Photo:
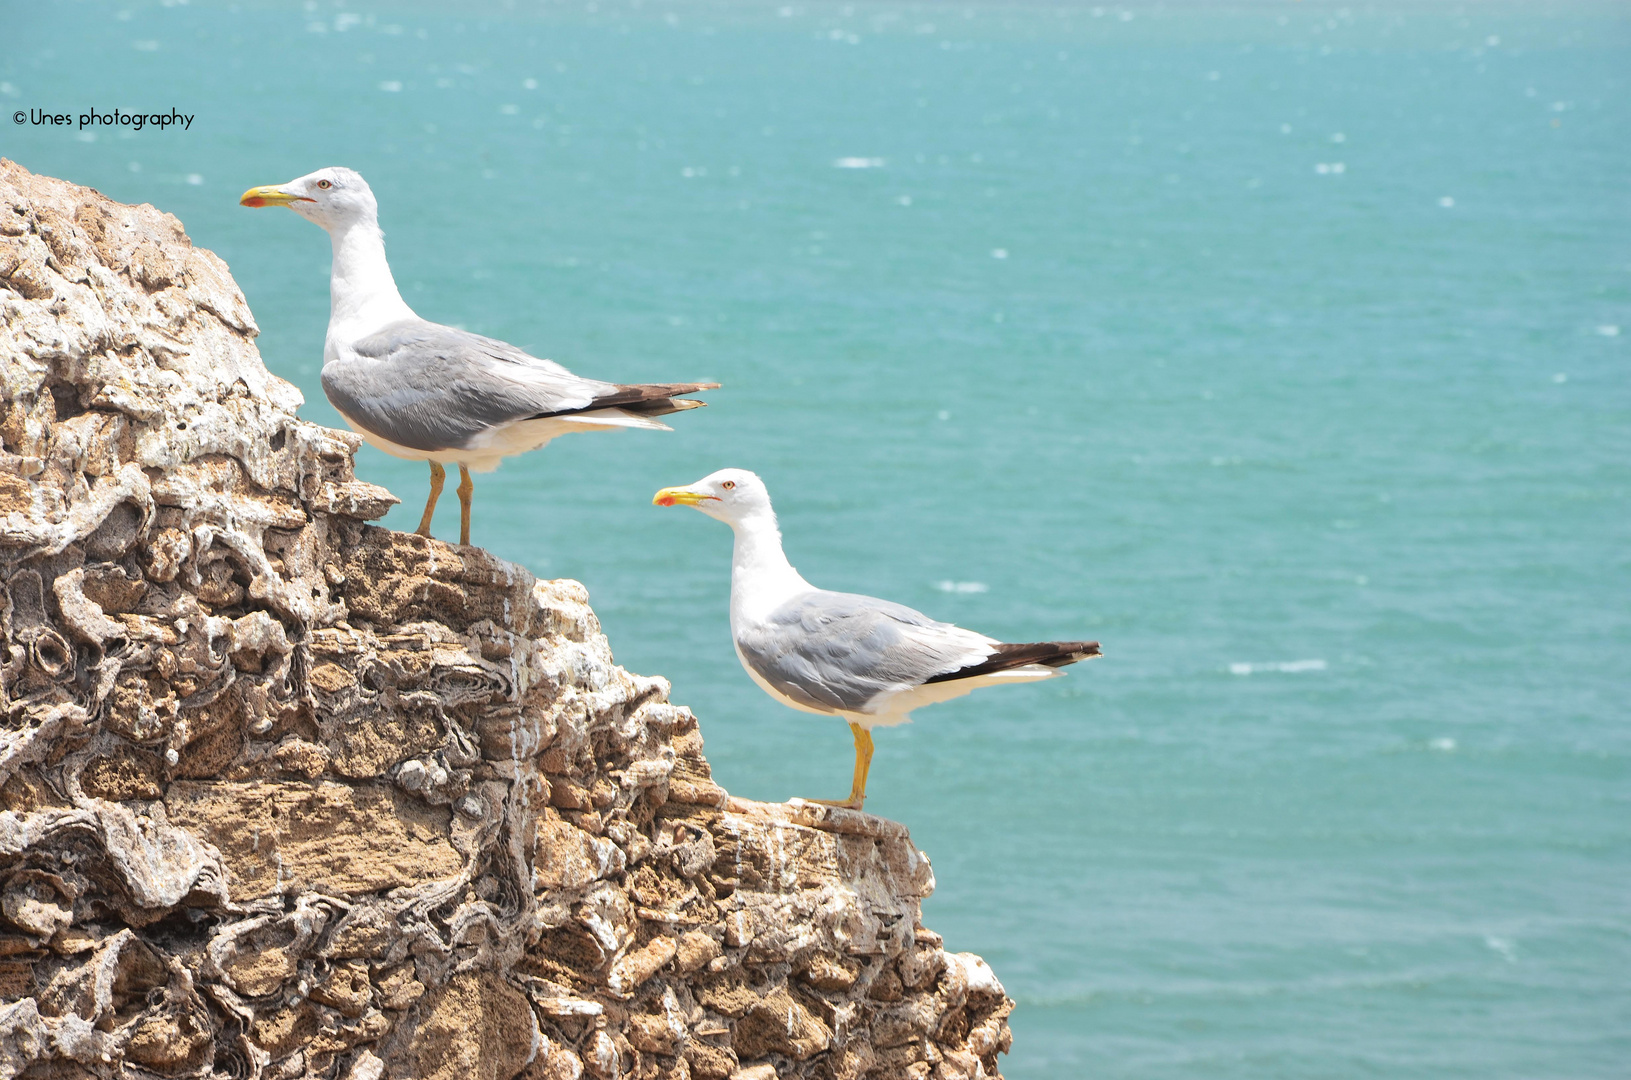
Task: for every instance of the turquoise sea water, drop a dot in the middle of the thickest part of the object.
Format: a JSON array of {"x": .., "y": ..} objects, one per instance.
[{"x": 1280, "y": 346}]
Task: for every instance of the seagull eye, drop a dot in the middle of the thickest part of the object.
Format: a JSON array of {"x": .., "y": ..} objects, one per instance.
[
  {"x": 727, "y": 485},
  {"x": 324, "y": 184}
]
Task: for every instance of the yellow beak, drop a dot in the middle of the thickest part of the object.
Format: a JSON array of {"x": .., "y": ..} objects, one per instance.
[
  {"x": 681, "y": 496},
  {"x": 270, "y": 195}
]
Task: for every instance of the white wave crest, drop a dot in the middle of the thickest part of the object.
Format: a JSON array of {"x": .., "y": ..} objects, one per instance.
[{"x": 1288, "y": 666}]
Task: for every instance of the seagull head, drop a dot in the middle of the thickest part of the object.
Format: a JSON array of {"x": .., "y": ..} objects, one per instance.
[
  {"x": 731, "y": 495},
  {"x": 334, "y": 198}
]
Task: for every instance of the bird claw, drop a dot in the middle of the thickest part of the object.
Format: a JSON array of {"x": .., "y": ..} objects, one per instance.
[{"x": 851, "y": 803}]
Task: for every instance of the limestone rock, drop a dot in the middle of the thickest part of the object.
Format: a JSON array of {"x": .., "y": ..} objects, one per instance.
[{"x": 285, "y": 794}]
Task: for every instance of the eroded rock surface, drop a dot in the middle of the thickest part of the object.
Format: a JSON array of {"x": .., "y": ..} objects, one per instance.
[{"x": 286, "y": 794}]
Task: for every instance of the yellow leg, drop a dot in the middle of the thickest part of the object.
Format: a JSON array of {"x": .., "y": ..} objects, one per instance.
[
  {"x": 465, "y": 489},
  {"x": 863, "y": 762},
  {"x": 437, "y": 476}
]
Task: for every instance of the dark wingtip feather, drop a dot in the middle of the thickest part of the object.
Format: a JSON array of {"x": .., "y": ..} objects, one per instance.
[
  {"x": 645, "y": 399},
  {"x": 1007, "y": 656},
  {"x": 1078, "y": 650}
]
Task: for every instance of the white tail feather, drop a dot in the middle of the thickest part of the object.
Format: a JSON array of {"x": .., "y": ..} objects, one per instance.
[{"x": 613, "y": 418}]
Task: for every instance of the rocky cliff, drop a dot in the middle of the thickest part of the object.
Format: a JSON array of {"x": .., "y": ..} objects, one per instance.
[{"x": 286, "y": 794}]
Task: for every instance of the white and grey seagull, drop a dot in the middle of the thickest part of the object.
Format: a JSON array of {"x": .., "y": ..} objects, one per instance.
[
  {"x": 866, "y": 660},
  {"x": 428, "y": 392}
]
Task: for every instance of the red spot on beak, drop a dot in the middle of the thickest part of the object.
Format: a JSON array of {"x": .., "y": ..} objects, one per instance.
[
  {"x": 257, "y": 201},
  {"x": 666, "y": 500}
]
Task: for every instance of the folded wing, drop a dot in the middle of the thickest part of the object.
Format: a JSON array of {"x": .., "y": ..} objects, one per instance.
[
  {"x": 432, "y": 387},
  {"x": 838, "y": 652}
]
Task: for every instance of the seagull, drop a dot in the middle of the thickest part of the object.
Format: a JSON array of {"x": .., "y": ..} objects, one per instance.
[
  {"x": 869, "y": 661},
  {"x": 428, "y": 392}
]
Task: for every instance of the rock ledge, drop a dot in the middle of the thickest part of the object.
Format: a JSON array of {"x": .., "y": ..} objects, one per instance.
[{"x": 285, "y": 794}]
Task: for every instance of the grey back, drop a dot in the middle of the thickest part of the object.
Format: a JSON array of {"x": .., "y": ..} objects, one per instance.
[
  {"x": 837, "y": 651},
  {"x": 433, "y": 387}
]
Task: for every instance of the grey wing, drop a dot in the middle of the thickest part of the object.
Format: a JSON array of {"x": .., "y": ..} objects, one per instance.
[
  {"x": 433, "y": 387},
  {"x": 839, "y": 651}
]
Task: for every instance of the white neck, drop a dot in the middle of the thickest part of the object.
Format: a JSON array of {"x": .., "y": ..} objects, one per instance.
[
  {"x": 761, "y": 577},
  {"x": 362, "y": 293}
]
